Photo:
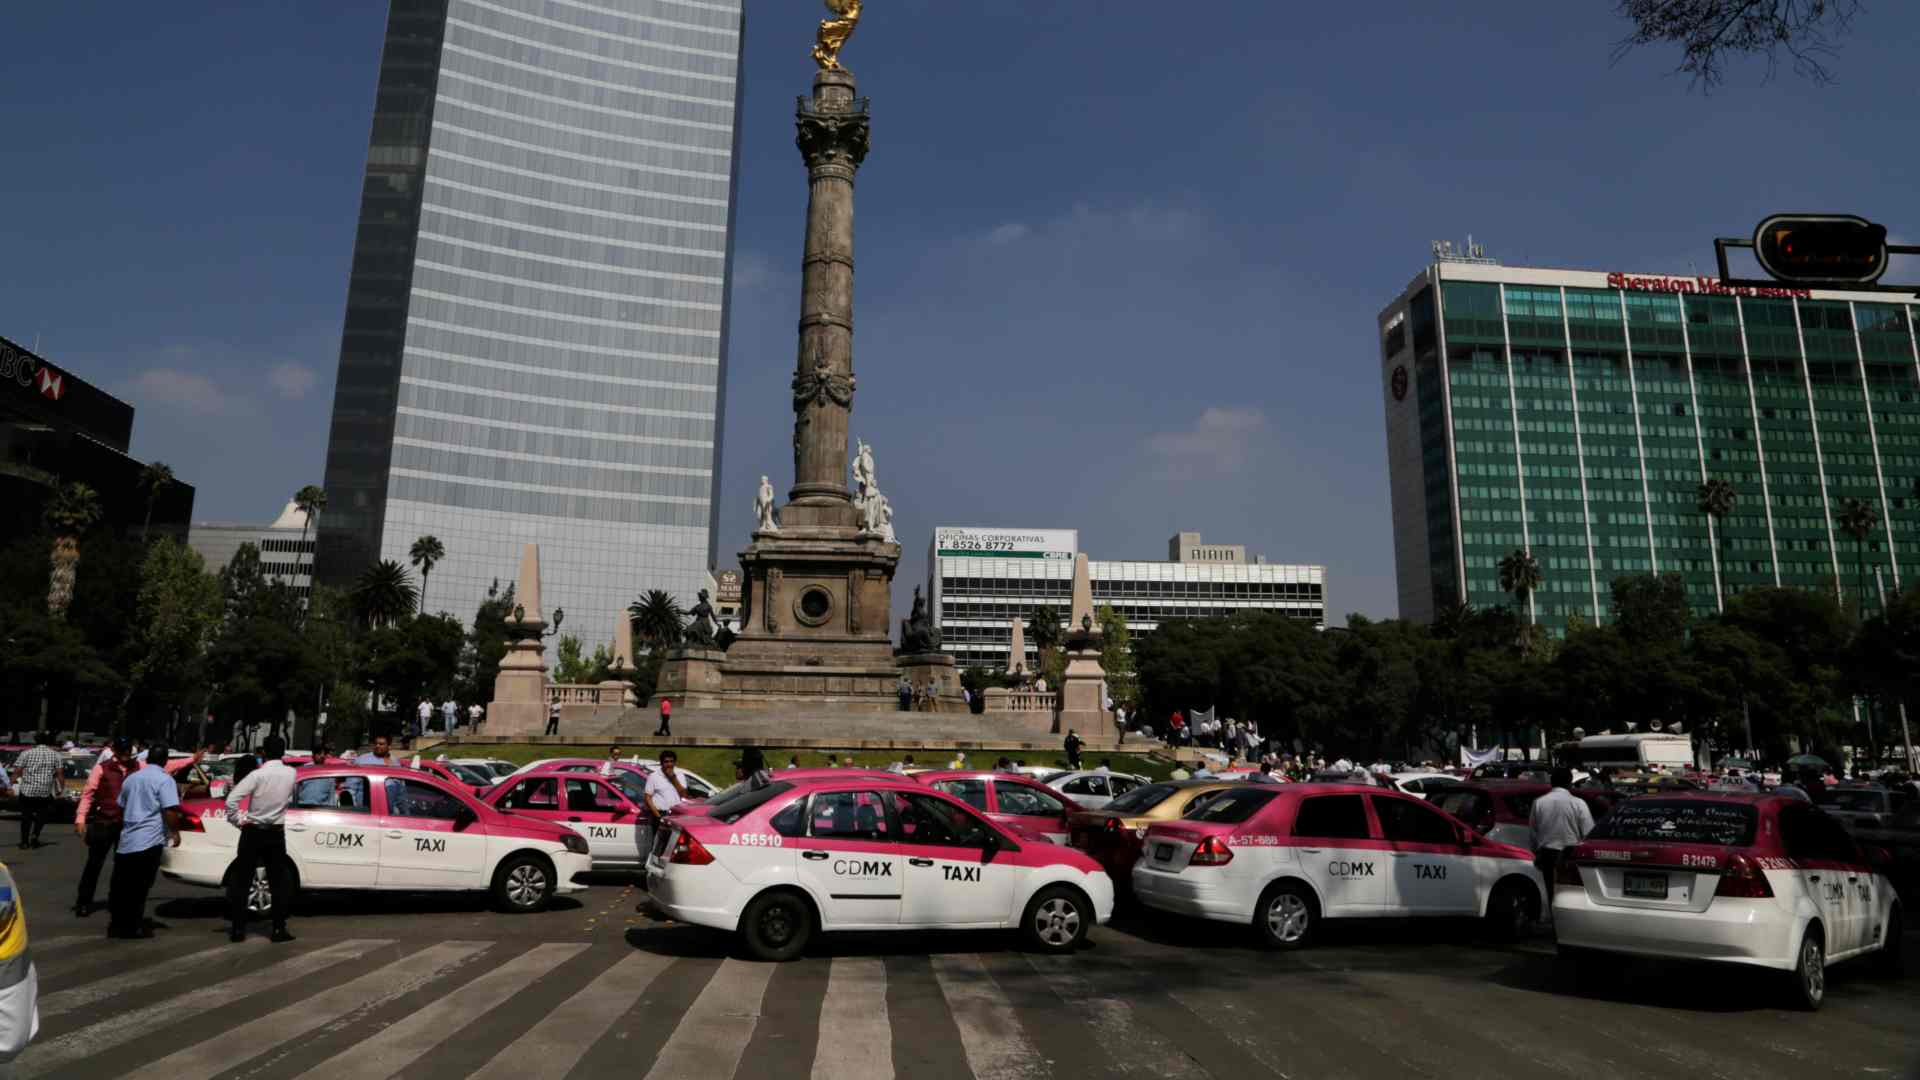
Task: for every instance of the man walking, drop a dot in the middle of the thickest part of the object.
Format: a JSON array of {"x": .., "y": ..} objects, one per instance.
[
  {"x": 38, "y": 771},
  {"x": 267, "y": 789},
  {"x": 1559, "y": 820},
  {"x": 423, "y": 713},
  {"x": 666, "y": 718},
  {"x": 449, "y": 715},
  {"x": 98, "y": 818},
  {"x": 553, "y": 718},
  {"x": 474, "y": 713},
  {"x": 1073, "y": 749},
  {"x": 150, "y": 817}
]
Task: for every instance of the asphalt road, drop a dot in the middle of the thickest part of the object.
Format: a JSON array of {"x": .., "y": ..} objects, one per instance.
[{"x": 382, "y": 985}]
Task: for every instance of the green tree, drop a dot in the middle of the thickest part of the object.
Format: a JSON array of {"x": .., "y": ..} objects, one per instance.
[
  {"x": 384, "y": 594},
  {"x": 426, "y": 551},
  {"x": 409, "y": 659},
  {"x": 1858, "y": 519},
  {"x": 1797, "y": 687},
  {"x": 73, "y": 510},
  {"x": 1116, "y": 658},
  {"x": 1044, "y": 633},
  {"x": 658, "y": 621},
  {"x": 261, "y": 663},
  {"x": 1520, "y": 575},
  {"x": 486, "y": 645},
  {"x": 310, "y": 501},
  {"x": 1716, "y": 499},
  {"x": 154, "y": 479},
  {"x": 47, "y": 657},
  {"x": 570, "y": 666},
  {"x": 179, "y": 609},
  {"x": 1378, "y": 679}
]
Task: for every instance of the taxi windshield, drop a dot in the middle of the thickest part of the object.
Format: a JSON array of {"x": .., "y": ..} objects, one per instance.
[
  {"x": 1142, "y": 799},
  {"x": 1862, "y": 800},
  {"x": 741, "y": 803},
  {"x": 1679, "y": 821}
]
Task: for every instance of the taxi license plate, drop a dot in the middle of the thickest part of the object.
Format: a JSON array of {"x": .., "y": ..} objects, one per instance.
[
  {"x": 1645, "y": 886},
  {"x": 1163, "y": 852}
]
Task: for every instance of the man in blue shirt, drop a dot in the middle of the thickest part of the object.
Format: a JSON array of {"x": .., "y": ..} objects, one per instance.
[
  {"x": 150, "y": 818},
  {"x": 382, "y": 753}
]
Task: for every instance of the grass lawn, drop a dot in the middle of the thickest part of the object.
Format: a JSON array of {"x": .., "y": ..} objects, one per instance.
[{"x": 716, "y": 763}]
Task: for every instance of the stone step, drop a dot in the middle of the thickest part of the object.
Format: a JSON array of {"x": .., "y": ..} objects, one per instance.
[{"x": 811, "y": 729}]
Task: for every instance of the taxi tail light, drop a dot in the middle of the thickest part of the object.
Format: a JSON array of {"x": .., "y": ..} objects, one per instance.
[
  {"x": 1113, "y": 824},
  {"x": 690, "y": 852},
  {"x": 1566, "y": 875},
  {"x": 1743, "y": 879},
  {"x": 1211, "y": 852},
  {"x": 190, "y": 822}
]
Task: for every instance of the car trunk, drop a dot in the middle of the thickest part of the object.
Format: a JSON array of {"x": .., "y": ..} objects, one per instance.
[
  {"x": 1665, "y": 877},
  {"x": 1170, "y": 847}
]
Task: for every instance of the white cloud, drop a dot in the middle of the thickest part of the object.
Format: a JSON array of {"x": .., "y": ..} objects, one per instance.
[
  {"x": 1220, "y": 438},
  {"x": 1011, "y": 232},
  {"x": 292, "y": 380},
  {"x": 183, "y": 390}
]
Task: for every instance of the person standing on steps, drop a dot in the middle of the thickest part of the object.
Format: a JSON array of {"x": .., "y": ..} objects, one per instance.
[
  {"x": 553, "y": 718},
  {"x": 98, "y": 818},
  {"x": 267, "y": 789},
  {"x": 666, "y": 719}
]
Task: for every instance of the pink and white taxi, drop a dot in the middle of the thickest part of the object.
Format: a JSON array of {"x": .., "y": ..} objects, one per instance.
[
  {"x": 605, "y": 811},
  {"x": 778, "y": 863},
  {"x": 1757, "y": 880},
  {"x": 1284, "y": 857},
  {"x": 377, "y": 827}
]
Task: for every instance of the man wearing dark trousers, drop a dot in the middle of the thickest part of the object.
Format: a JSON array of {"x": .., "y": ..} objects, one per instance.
[
  {"x": 39, "y": 783},
  {"x": 267, "y": 792},
  {"x": 150, "y": 819},
  {"x": 553, "y": 718},
  {"x": 98, "y": 819},
  {"x": 666, "y": 718}
]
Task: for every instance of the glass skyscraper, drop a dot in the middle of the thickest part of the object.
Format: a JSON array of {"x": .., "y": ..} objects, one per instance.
[
  {"x": 1577, "y": 413},
  {"x": 535, "y": 345}
]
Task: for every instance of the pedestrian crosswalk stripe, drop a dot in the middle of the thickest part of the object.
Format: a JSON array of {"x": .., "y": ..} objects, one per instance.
[
  {"x": 124, "y": 1027},
  {"x": 391, "y": 1051},
  {"x": 556, "y": 1044},
  {"x": 715, "y": 1030},
  {"x": 236, "y": 1046},
  {"x": 854, "y": 1012},
  {"x": 997, "y": 1048},
  {"x": 41, "y": 946},
  {"x": 121, "y": 982},
  {"x": 1129, "y": 1042}
]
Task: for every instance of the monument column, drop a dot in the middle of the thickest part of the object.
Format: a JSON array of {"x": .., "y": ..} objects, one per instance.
[{"x": 833, "y": 137}]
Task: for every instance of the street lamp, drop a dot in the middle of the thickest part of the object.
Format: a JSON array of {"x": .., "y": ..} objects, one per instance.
[{"x": 559, "y": 616}]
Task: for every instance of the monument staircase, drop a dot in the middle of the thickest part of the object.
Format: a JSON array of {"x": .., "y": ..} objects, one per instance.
[{"x": 803, "y": 729}]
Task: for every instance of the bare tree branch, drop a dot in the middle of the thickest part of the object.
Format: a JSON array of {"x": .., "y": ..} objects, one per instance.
[{"x": 1710, "y": 32}]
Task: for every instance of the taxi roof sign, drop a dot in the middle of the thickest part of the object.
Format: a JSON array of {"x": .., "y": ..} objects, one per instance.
[{"x": 1821, "y": 249}]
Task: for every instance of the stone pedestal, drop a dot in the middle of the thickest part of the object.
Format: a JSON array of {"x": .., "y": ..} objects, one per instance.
[
  {"x": 687, "y": 675},
  {"x": 1080, "y": 704},
  {"x": 939, "y": 673},
  {"x": 519, "y": 705}
]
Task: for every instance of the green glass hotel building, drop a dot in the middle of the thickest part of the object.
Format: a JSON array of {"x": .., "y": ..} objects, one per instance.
[{"x": 1576, "y": 414}]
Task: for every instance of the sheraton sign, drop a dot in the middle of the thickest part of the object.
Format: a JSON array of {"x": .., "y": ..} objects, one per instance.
[{"x": 1704, "y": 285}]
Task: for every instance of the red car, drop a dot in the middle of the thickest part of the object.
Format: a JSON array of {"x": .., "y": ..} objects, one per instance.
[
  {"x": 603, "y": 812},
  {"x": 461, "y": 775},
  {"x": 1009, "y": 799}
]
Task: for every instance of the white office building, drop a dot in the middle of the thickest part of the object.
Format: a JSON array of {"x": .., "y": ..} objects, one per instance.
[
  {"x": 981, "y": 579},
  {"x": 285, "y": 554}
]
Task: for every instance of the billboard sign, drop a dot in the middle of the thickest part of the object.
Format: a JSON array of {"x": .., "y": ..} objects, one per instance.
[{"x": 961, "y": 542}]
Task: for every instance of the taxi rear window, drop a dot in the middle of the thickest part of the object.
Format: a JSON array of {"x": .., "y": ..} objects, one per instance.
[
  {"x": 1232, "y": 807},
  {"x": 1142, "y": 799},
  {"x": 1679, "y": 821},
  {"x": 741, "y": 803}
]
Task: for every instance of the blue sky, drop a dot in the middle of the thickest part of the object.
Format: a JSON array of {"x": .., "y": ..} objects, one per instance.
[{"x": 1119, "y": 263}]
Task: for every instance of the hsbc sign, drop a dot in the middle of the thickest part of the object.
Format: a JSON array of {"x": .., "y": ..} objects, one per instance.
[{"x": 21, "y": 369}]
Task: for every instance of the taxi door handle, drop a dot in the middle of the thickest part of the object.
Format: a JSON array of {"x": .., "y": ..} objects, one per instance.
[
  {"x": 919, "y": 862},
  {"x": 573, "y": 819},
  {"x": 296, "y": 828},
  {"x": 393, "y": 834},
  {"x": 1399, "y": 854},
  {"x": 1312, "y": 850},
  {"x": 815, "y": 855},
  {"x": 1813, "y": 877}
]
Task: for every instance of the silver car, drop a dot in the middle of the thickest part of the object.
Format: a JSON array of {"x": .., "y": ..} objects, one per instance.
[{"x": 1094, "y": 789}]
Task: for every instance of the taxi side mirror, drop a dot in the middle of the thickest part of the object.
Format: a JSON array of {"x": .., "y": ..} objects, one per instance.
[{"x": 464, "y": 817}]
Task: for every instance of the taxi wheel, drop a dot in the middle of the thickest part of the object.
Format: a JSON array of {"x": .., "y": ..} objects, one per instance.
[
  {"x": 1057, "y": 920},
  {"x": 1511, "y": 909},
  {"x": 1891, "y": 959},
  {"x": 1287, "y": 916},
  {"x": 776, "y": 926},
  {"x": 523, "y": 884},
  {"x": 1809, "y": 987}
]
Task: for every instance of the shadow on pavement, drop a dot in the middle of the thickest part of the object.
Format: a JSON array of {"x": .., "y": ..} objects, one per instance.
[
  {"x": 1685, "y": 986},
  {"x": 681, "y": 940},
  {"x": 344, "y": 902}
]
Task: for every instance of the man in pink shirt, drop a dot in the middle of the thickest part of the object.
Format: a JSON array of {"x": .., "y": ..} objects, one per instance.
[{"x": 98, "y": 818}]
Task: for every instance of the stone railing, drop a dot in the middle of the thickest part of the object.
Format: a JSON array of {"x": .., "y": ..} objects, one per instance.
[
  {"x": 999, "y": 700},
  {"x": 585, "y": 693}
]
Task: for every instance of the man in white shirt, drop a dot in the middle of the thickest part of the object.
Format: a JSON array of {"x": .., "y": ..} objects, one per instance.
[
  {"x": 663, "y": 792},
  {"x": 474, "y": 712},
  {"x": 1558, "y": 821},
  {"x": 424, "y": 713},
  {"x": 267, "y": 791},
  {"x": 449, "y": 715}
]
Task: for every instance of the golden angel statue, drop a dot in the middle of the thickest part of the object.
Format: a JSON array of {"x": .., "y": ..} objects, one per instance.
[{"x": 835, "y": 32}]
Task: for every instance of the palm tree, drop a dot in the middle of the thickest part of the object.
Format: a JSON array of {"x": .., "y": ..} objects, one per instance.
[
  {"x": 154, "y": 479},
  {"x": 657, "y": 618},
  {"x": 384, "y": 593},
  {"x": 73, "y": 510},
  {"x": 1520, "y": 575},
  {"x": 1715, "y": 499},
  {"x": 309, "y": 500},
  {"x": 425, "y": 552},
  {"x": 1858, "y": 518}
]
